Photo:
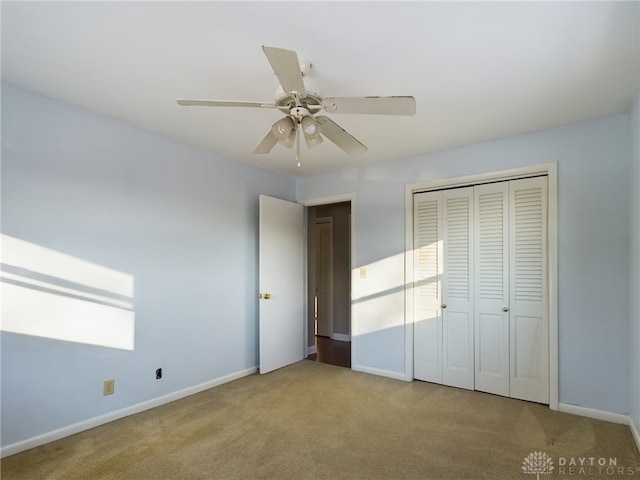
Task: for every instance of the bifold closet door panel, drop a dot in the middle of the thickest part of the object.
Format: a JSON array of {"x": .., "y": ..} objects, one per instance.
[
  {"x": 427, "y": 333},
  {"x": 491, "y": 260},
  {"x": 529, "y": 310},
  {"x": 457, "y": 288}
]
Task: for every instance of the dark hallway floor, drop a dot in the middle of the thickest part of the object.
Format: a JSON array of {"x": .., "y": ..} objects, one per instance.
[{"x": 333, "y": 352}]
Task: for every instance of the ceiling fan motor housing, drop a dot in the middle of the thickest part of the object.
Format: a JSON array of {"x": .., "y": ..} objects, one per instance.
[{"x": 311, "y": 100}]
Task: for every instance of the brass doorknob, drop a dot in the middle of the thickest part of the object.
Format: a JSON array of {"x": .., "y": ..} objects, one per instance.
[
  {"x": 267, "y": 296},
  {"x": 505, "y": 309}
]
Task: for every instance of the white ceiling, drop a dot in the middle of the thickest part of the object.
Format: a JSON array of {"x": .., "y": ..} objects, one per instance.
[{"x": 478, "y": 70}]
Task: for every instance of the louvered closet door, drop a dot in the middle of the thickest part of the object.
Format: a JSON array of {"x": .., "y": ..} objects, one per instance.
[
  {"x": 481, "y": 292},
  {"x": 529, "y": 318},
  {"x": 427, "y": 334},
  {"x": 492, "y": 288},
  {"x": 457, "y": 292}
]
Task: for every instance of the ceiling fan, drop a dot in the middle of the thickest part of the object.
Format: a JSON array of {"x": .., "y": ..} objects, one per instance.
[{"x": 301, "y": 102}]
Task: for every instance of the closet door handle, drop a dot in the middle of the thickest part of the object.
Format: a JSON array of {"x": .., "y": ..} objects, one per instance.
[
  {"x": 505, "y": 309},
  {"x": 444, "y": 305}
]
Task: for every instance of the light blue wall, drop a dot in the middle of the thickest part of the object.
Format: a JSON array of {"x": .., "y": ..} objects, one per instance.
[
  {"x": 634, "y": 269},
  {"x": 181, "y": 221},
  {"x": 593, "y": 209}
]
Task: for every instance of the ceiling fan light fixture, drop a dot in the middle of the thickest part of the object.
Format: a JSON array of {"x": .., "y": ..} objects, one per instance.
[
  {"x": 313, "y": 141},
  {"x": 283, "y": 128},
  {"x": 311, "y": 129},
  {"x": 310, "y": 126},
  {"x": 290, "y": 140}
]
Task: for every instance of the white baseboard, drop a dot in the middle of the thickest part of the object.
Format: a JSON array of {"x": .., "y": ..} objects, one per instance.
[
  {"x": 604, "y": 415},
  {"x": 115, "y": 415},
  {"x": 593, "y": 413},
  {"x": 634, "y": 432},
  {"x": 341, "y": 337},
  {"x": 311, "y": 350},
  {"x": 379, "y": 372}
]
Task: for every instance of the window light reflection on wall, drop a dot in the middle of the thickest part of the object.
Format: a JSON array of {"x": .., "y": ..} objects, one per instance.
[{"x": 46, "y": 293}]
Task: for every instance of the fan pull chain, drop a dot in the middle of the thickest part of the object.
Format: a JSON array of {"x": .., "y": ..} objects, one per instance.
[{"x": 298, "y": 144}]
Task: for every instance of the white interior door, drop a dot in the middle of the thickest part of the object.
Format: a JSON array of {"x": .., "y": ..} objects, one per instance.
[
  {"x": 281, "y": 273},
  {"x": 457, "y": 292},
  {"x": 492, "y": 288}
]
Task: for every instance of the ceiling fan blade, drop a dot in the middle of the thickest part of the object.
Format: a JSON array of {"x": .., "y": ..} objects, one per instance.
[
  {"x": 219, "y": 103},
  {"x": 286, "y": 66},
  {"x": 267, "y": 143},
  {"x": 340, "y": 136},
  {"x": 371, "y": 105}
]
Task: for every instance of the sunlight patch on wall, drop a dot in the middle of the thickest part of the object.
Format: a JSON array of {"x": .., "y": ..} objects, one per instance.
[
  {"x": 50, "y": 294},
  {"x": 378, "y": 294}
]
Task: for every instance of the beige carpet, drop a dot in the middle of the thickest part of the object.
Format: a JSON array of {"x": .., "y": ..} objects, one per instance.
[{"x": 315, "y": 421}]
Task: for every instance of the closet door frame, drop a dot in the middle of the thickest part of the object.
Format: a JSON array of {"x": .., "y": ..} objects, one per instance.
[{"x": 548, "y": 169}]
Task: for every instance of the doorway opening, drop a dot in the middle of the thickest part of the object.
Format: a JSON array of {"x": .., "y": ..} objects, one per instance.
[{"x": 329, "y": 283}]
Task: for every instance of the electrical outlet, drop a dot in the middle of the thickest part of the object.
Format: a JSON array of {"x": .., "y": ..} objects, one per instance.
[
  {"x": 109, "y": 387},
  {"x": 158, "y": 374}
]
